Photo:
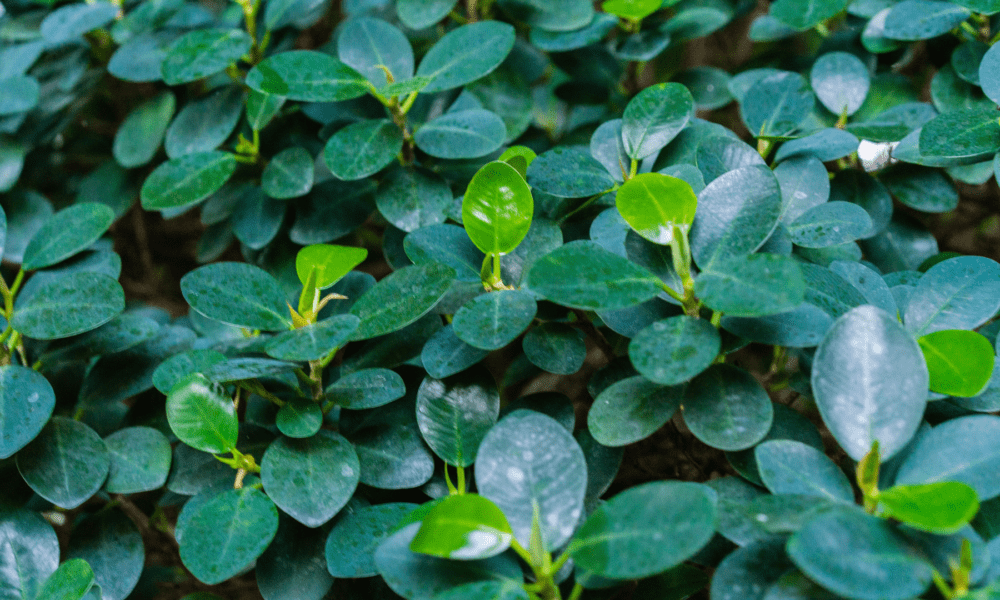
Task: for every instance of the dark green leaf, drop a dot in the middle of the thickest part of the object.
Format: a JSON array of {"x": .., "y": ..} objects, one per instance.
[
  {"x": 893, "y": 124},
  {"x": 179, "y": 366},
  {"x": 21, "y": 94},
  {"x": 825, "y": 145},
  {"x": 226, "y": 534},
  {"x": 239, "y": 294},
  {"x": 142, "y": 131},
  {"x": 413, "y": 198},
  {"x": 533, "y": 469},
  {"x": 26, "y": 403},
  {"x": 802, "y": 327},
  {"x": 830, "y": 224},
  {"x": 752, "y": 286},
  {"x": 68, "y": 305},
  {"x": 555, "y": 347},
  {"x": 140, "y": 460},
  {"x": 261, "y": 108},
  {"x": 401, "y": 298},
  {"x": 299, "y": 418},
  {"x": 293, "y": 566},
  {"x": 971, "y": 134},
  {"x": 777, "y": 105},
  {"x": 674, "y": 350},
  {"x": 870, "y": 382},
  {"x": 631, "y": 410},
  {"x": 289, "y": 174},
  {"x": 568, "y": 172},
  {"x": 66, "y": 464},
  {"x": 719, "y": 154},
  {"x": 463, "y": 527},
  {"x": 310, "y": 479},
  {"x": 65, "y": 233},
  {"x": 966, "y": 449},
  {"x": 958, "y": 293},
  {"x": 491, "y": 321},
  {"x": 455, "y": 414},
  {"x": 70, "y": 22},
  {"x": 202, "y": 53},
  {"x": 112, "y": 546},
  {"x": 792, "y": 467},
  {"x": 840, "y": 81},
  {"x": 465, "y": 54},
  {"x": 748, "y": 572},
  {"x": 202, "y": 415},
  {"x": 313, "y": 341},
  {"x": 646, "y": 530},
  {"x": 367, "y": 388},
  {"x": 803, "y": 14},
  {"x": 420, "y": 14},
  {"x": 205, "y": 124},
  {"x": 363, "y": 148},
  {"x": 351, "y": 545},
  {"x": 448, "y": 245},
  {"x": 307, "y": 76},
  {"x": 497, "y": 208},
  {"x": 654, "y": 117},
  {"x": 727, "y": 408},
  {"x": 462, "y": 134},
  {"x": 988, "y": 74},
  {"x": 187, "y": 180},
  {"x": 922, "y": 188},
  {"x": 445, "y": 354},
  {"x": 30, "y": 553},
  {"x": 960, "y": 363},
  {"x": 367, "y": 45},
  {"x": 913, "y": 20}
]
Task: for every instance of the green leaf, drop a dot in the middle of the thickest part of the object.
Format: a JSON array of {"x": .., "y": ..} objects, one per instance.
[
  {"x": 206, "y": 123},
  {"x": 299, "y": 418},
  {"x": 971, "y": 134},
  {"x": 293, "y": 566},
  {"x": 965, "y": 449},
  {"x": 179, "y": 366},
  {"x": 752, "y": 286},
  {"x": 568, "y": 172},
  {"x": 824, "y": 145},
  {"x": 310, "y": 479},
  {"x": 654, "y": 204},
  {"x": 366, "y": 45},
  {"x": 727, "y": 408},
  {"x": 420, "y": 14},
  {"x": 261, "y": 108},
  {"x": 792, "y": 467},
  {"x": 66, "y": 464},
  {"x": 491, "y": 321},
  {"x": 66, "y": 233},
  {"x": 463, "y": 527},
  {"x": 413, "y": 198},
  {"x": 534, "y": 470},
  {"x": 462, "y": 134},
  {"x": 631, "y": 410},
  {"x": 497, "y": 208},
  {"x": 289, "y": 174},
  {"x": 563, "y": 41},
  {"x": 68, "y": 305},
  {"x": 112, "y": 546},
  {"x": 556, "y": 348},
  {"x": 870, "y": 382},
  {"x": 142, "y": 131},
  {"x": 840, "y": 81},
  {"x": 26, "y": 403},
  {"x": 307, "y": 76},
  {"x": 401, "y": 298},
  {"x": 830, "y": 224},
  {"x": 30, "y": 552},
  {"x": 989, "y": 76},
  {"x": 71, "y": 581},
  {"x": 654, "y": 117},
  {"x": 803, "y": 14},
  {"x": 958, "y": 293},
  {"x": 313, "y": 341},
  {"x": 719, "y": 154},
  {"x": 455, "y": 414},
  {"x": 893, "y": 124},
  {"x": 70, "y": 22},
  {"x": 736, "y": 214},
  {"x": 202, "y": 415},
  {"x": 465, "y": 54},
  {"x": 674, "y": 350},
  {"x": 225, "y": 535},
  {"x": 646, "y": 530},
  {"x": 583, "y": 275},
  {"x": 351, "y": 544},
  {"x": 960, "y": 363},
  {"x": 140, "y": 460},
  {"x": 21, "y": 94},
  {"x": 363, "y": 148},
  {"x": 942, "y": 508},
  {"x": 445, "y": 354},
  {"x": 12, "y": 153},
  {"x": 922, "y": 188},
  {"x": 330, "y": 262},
  {"x": 913, "y": 20},
  {"x": 631, "y": 9},
  {"x": 367, "y": 388},
  {"x": 777, "y": 105},
  {"x": 187, "y": 180},
  {"x": 203, "y": 52},
  {"x": 859, "y": 556},
  {"x": 238, "y": 294}
]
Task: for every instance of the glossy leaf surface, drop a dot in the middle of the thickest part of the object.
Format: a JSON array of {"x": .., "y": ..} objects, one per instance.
[
  {"x": 26, "y": 403},
  {"x": 66, "y": 464},
  {"x": 201, "y": 415}
]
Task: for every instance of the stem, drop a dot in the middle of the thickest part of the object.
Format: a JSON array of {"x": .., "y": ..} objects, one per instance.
[
  {"x": 240, "y": 474},
  {"x": 680, "y": 252},
  {"x": 585, "y": 204},
  {"x": 452, "y": 490},
  {"x": 471, "y": 10},
  {"x": 716, "y": 318},
  {"x": 577, "y": 592},
  {"x": 632, "y": 169},
  {"x": 461, "y": 480}
]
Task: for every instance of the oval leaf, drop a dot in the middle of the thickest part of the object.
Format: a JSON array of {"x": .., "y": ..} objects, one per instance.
[
  {"x": 65, "y": 233},
  {"x": 202, "y": 415},
  {"x": 239, "y": 294},
  {"x": 497, "y": 208},
  {"x": 66, "y": 464},
  {"x": 26, "y": 403}
]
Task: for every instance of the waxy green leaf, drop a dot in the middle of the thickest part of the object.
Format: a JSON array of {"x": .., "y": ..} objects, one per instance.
[
  {"x": 239, "y": 294},
  {"x": 313, "y": 341},
  {"x": 654, "y": 205},
  {"x": 26, "y": 403},
  {"x": 971, "y": 134},
  {"x": 289, "y": 174},
  {"x": 792, "y": 467},
  {"x": 140, "y": 460},
  {"x": 66, "y": 464},
  {"x": 307, "y": 76},
  {"x": 960, "y": 363},
  {"x": 401, "y": 298},
  {"x": 803, "y": 14},
  {"x": 964, "y": 449},
  {"x": 455, "y": 414},
  {"x": 674, "y": 350},
  {"x": 462, "y": 134},
  {"x": 30, "y": 552},
  {"x": 331, "y": 263},
  {"x": 840, "y": 81},
  {"x": 463, "y": 527},
  {"x": 202, "y": 415},
  {"x": 654, "y": 117},
  {"x": 142, "y": 131},
  {"x": 187, "y": 180},
  {"x": 631, "y": 410},
  {"x": 942, "y": 508},
  {"x": 727, "y": 408},
  {"x": 65, "y": 233},
  {"x": 465, "y": 54},
  {"x": 68, "y": 305},
  {"x": 351, "y": 544},
  {"x": 362, "y": 149},
  {"x": 71, "y": 581},
  {"x": 497, "y": 208},
  {"x": 202, "y": 53},
  {"x": 912, "y": 20},
  {"x": 491, "y": 321},
  {"x": 752, "y": 286},
  {"x": 569, "y": 172},
  {"x": 367, "y": 45}
]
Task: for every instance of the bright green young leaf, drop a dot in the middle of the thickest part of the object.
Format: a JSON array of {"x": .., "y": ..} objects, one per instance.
[
  {"x": 203, "y": 52},
  {"x": 463, "y": 527},
  {"x": 803, "y": 14},
  {"x": 330, "y": 262},
  {"x": 26, "y": 402},
  {"x": 401, "y": 298},
  {"x": 752, "y": 286},
  {"x": 942, "y": 508},
  {"x": 66, "y": 464},
  {"x": 532, "y": 468},
  {"x": 367, "y": 45},
  {"x": 362, "y": 149},
  {"x": 462, "y": 134},
  {"x": 465, "y": 54},
  {"x": 870, "y": 382},
  {"x": 631, "y": 9},
  {"x": 960, "y": 362},
  {"x": 674, "y": 350},
  {"x": 71, "y": 581},
  {"x": 310, "y": 479},
  {"x": 654, "y": 117},
  {"x": 584, "y": 275},
  {"x": 971, "y": 134},
  {"x": 202, "y": 415},
  {"x": 69, "y": 305},
  {"x": 646, "y": 530},
  {"x": 631, "y": 410},
  {"x": 226, "y": 534},
  {"x": 289, "y": 174},
  {"x": 140, "y": 460},
  {"x": 142, "y": 131},
  {"x": 727, "y": 408},
  {"x": 239, "y": 294},
  {"x": 491, "y": 321},
  {"x": 65, "y": 233},
  {"x": 840, "y": 81},
  {"x": 187, "y": 180},
  {"x": 654, "y": 204},
  {"x": 497, "y": 208},
  {"x": 307, "y": 76},
  {"x": 455, "y": 414}
]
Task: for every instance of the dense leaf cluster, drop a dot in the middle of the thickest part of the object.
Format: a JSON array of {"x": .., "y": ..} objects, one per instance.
[{"x": 546, "y": 196}]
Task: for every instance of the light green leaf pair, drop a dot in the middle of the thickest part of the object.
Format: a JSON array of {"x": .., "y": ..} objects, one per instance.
[{"x": 463, "y": 527}]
